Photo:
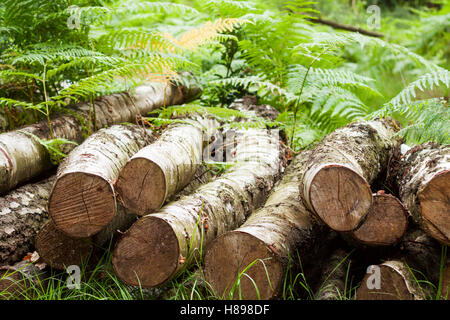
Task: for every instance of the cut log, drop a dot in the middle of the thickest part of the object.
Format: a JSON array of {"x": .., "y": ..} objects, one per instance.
[
  {"x": 164, "y": 167},
  {"x": 22, "y": 213},
  {"x": 19, "y": 280},
  {"x": 334, "y": 276},
  {"x": 424, "y": 187},
  {"x": 58, "y": 250},
  {"x": 391, "y": 280},
  {"x": 263, "y": 248},
  {"x": 160, "y": 245},
  {"x": 408, "y": 274},
  {"x": 83, "y": 200},
  {"x": 336, "y": 184},
  {"x": 384, "y": 225},
  {"x": 22, "y": 157}
]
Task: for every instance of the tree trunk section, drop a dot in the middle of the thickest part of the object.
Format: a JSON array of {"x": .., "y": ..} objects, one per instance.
[
  {"x": 83, "y": 200},
  {"x": 396, "y": 283},
  {"x": 164, "y": 167},
  {"x": 384, "y": 225},
  {"x": 59, "y": 251},
  {"x": 336, "y": 184},
  {"x": 22, "y": 157},
  {"x": 424, "y": 188},
  {"x": 160, "y": 245},
  {"x": 419, "y": 257},
  {"x": 333, "y": 278},
  {"x": 266, "y": 245},
  {"x": 22, "y": 213}
]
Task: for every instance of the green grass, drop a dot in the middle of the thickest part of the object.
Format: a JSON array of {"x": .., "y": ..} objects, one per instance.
[{"x": 98, "y": 282}]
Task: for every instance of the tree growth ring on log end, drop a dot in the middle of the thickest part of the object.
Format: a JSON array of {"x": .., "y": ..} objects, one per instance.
[
  {"x": 340, "y": 196},
  {"x": 434, "y": 203},
  {"x": 90, "y": 212},
  {"x": 223, "y": 254},
  {"x": 147, "y": 254},
  {"x": 141, "y": 194}
]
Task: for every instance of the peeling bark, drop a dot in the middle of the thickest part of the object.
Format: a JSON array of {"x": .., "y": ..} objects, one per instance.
[
  {"x": 159, "y": 170},
  {"x": 336, "y": 184},
  {"x": 83, "y": 200},
  {"x": 22, "y": 213},
  {"x": 384, "y": 225},
  {"x": 267, "y": 244},
  {"x": 22, "y": 157},
  {"x": 160, "y": 245},
  {"x": 424, "y": 187}
]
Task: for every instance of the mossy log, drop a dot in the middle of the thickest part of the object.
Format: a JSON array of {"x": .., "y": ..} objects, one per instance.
[
  {"x": 270, "y": 241},
  {"x": 83, "y": 198},
  {"x": 158, "y": 246},
  {"x": 336, "y": 184},
  {"x": 159, "y": 170},
  {"x": 424, "y": 187},
  {"x": 23, "y": 157},
  {"x": 23, "y": 211}
]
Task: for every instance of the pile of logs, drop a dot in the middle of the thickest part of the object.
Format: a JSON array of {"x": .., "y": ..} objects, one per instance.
[{"x": 360, "y": 205}]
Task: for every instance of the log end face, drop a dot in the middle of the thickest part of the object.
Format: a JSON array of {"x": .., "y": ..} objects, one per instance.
[
  {"x": 141, "y": 186},
  {"x": 434, "y": 203},
  {"x": 232, "y": 253},
  {"x": 60, "y": 251},
  {"x": 340, "y": 197},
  {"x": 147, "y": 254},
  {"x": 81, "y": 204},
  {"x": 385, "y": 223}
]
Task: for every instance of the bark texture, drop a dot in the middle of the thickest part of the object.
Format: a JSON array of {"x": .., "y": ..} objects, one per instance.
[
  {"x": 384, "y": 225},
  {"x": 22, "y": 157},
  {"x": 424, "y": 188},
  {"x": 160, "y": 245},
  {"x": 22, "y": 213},
  {"x": 267, "y": 244},
  {"x": 83, "y": 200},
  {"x": 333, "y": 278},
  {"x": 159, "y": 170},
  {"x": 336, "y": 184}
]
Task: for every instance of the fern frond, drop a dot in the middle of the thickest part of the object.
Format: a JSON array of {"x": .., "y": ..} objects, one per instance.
[
  {"x": 134, "y": 6},
  {"x": 210, "y": 31},
  {"x": 425, "y": 82}
]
